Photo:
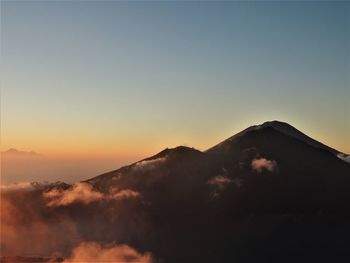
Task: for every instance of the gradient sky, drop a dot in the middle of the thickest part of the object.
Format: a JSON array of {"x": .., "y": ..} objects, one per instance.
[{"x": 89, "y": 79}]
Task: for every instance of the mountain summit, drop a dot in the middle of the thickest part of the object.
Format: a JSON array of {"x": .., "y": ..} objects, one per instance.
[{"x": 283, "y": 128}]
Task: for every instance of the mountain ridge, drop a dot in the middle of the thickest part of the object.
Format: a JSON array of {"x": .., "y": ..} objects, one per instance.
[{"x": 273, "y": 140}]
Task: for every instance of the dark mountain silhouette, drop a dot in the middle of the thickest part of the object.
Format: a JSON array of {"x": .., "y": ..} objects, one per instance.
[
  {"x": 269, "y": 193},
  {"x": 283, "y": 128}
]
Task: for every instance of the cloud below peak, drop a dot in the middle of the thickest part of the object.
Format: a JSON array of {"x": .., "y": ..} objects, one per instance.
[
  {"x": 148, "y": 164},
  {"x": 220, "y": 181},
  {"x": 78, "y": 193},
  {"x": 260, "y": 164},
  {"x": 85, "y": 194}
]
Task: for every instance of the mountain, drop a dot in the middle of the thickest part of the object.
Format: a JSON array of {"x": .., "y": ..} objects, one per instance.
[
  {"x": 276, "y": 143},
  {"x": 269, "y": 193}
]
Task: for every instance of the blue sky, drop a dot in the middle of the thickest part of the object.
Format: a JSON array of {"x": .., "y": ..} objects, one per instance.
[{"x": 129, "y": 78}]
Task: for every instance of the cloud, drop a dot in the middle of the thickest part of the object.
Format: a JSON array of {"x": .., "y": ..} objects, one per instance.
[
  {"x": 85, "y": 194},
  {"x": 94, "y": 252},
  {"x": 41, "y": 221},
  {"x": 124, "y": 194},
  {"x": 220, "y": 181},
  {"x": 78, "y": 193},
  {"x": 28, "y": 228},
  {"x": 344, "y": 157},
  {"x": 148, "y": 164},
  {"x": 260, "y": 164},
  {"x": 25, "y": 186}
]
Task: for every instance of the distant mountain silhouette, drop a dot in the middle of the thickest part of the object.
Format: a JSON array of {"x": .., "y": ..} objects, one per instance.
[
  {"x": 15, "y": 152},
  {"x": 267, "y": 194}
]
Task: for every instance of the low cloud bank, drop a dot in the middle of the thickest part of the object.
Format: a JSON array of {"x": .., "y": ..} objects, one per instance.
[
  {"x": 28, "y": 228},
  {"x": 260, "y": 164},
  {"x": 24, "y": 186},
  {"x": 40, "y": 220},
  {"x": 94, "y": 252}
]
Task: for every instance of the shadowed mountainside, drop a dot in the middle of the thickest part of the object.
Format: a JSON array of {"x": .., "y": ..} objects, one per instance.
[
  {"x": 269, "y": 189},
  {"x": 267, "y": 194}
]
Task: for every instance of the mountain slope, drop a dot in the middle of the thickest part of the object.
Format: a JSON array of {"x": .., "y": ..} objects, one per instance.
[
  {"x": 269, "y": 194},
  {"x": 270, "y": 166}
]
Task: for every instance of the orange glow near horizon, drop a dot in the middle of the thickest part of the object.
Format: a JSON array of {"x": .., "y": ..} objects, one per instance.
[{"x": 133, "y": 146}]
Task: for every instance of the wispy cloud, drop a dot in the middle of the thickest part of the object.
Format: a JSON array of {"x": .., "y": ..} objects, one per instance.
[
  {"x": 148, "y": 164},
  {"x": 85, "y": 194},
  {"x": 220, "y": 181},
  {"x": 78, "y": 193},
  {"x": 124, "y": 194},
  {"x": 24, "y": 186}
]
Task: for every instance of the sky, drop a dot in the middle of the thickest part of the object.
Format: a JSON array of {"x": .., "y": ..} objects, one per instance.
[{"x": 106, "y": 83}]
